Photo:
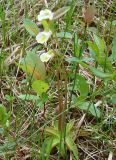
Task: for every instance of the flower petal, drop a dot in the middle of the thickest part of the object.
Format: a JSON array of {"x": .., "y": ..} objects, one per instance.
[
  {"x": 45, "y": 57},
  {"x": 43, "y": 37},
  {"x": 45, "y": 14}
]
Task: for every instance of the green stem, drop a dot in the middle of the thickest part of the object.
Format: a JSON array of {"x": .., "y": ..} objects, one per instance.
[{"x": 60, "y": 100}]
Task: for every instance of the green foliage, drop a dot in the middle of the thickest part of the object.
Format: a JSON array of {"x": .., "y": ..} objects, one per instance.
[
  {"x": 76, "y": 47},
  {"x": 98, "y": 50},
  {"x": 60, "y": 12},
  {"x": 4, "y": 116},
  {"x": 64, "y": 35},
  {"x": 82, "y": 86},
  {"x": 72, "y": 147},
  {"x": 49, "y": 144},
  {"x": 113, "y": 99},
  {"x": 114, "y": 22},
  {"x": 54, "y": 139},
  {"x": 69, "y": 126},
  {"x": 33, "y": 65},
  {"x": 53, "y": 131},
  {"x": 7, "y": 146},
  {"x": 100, "y": 74},
  {"x": 31, "y": 27},
  {"x": 28, "y": 97},
  {"x": 80, "y": 76},
  {"x": 93, "y": 48},
  {"x": 91, "y": 108},
  {"x": 40, "y": 87},
  {"x": 39, "y": 101},
  {"x": 9, "y": 98},
  {"x": 100, "y": 44},
  {"x": 80, "y": 61},
  {"x": 73, "y": 59},
  {"x": 113, "y": 56}
]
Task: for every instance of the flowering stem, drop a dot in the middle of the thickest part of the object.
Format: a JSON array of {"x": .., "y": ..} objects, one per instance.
[
  {"x": 60, "y": 99},
  {"x": 45, "y": 25}
]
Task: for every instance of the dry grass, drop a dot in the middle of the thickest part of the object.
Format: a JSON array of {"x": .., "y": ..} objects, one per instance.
[{"x": 95, "y": 138}]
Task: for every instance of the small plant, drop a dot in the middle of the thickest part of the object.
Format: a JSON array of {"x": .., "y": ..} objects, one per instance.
[
  {"x": 60, "y": 135},
  {"x": 63, "y": 141},
  {"x": 57, "y": 80}
]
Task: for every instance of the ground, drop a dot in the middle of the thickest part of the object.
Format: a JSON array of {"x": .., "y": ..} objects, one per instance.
[{"x": 69, "y": 80}]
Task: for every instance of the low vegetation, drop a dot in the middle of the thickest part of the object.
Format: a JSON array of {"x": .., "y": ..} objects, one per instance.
[{"x": 57, "y": 80}]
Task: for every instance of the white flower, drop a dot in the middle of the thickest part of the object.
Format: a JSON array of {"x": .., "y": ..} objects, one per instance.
[
  {"x": 45, "y": 14},
  {"x": 45, "y": 57},
  {"x": 43, "y": 37}
]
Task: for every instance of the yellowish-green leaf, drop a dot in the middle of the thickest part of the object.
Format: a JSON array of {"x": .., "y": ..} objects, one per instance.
[
  {"x": 40, "y": 87},
  {"x": 34, "y": 66},
  {"x": 51, "y": 131},
  {"x": 50, "y": 143},
  {"x": 72, "y": 147},
  {"x": 69, "y": 126},
  {"x": 31, "y": 27}
]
